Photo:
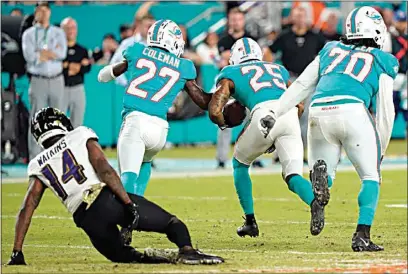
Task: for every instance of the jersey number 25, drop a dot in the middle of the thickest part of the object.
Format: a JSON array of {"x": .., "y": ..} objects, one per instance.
[
  {"x": 151, "y": 72},
  {"x": 341, "y": 54},
  {"x": 259, "y": 72}
]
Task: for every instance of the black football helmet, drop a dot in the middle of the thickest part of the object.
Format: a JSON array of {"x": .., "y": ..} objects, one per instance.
[{"x": 49, "y": 122}]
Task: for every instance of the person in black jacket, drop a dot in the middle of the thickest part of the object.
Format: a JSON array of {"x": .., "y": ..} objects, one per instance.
[{"x": 75, "y": 65}]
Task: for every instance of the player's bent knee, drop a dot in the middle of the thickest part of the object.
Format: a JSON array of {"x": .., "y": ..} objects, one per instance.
[{"x": 239, "y": 164}]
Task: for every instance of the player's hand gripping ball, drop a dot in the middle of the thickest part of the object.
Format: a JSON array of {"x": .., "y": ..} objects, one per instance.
[{"x": 234, "y": 114}]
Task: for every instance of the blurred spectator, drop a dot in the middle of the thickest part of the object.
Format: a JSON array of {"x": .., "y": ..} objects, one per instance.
[
  {"x": 330, "y": 33},
  {"x": 44, "y": 48},
  {"x": 126, "y": 31},
  {"x": 75, "y": 66},
  {"x": 142, "y": 21},
  {"x": 387, "y": 15},
  {"x": 262, "y": 17},
  {"x": 314, "y": 11},
  {"x": 189, "y": 52},
  {"x": 16, "y": 12},
  {"x": 400, "y": 50},
  {"x": 208, "y": 50},
  {"x": 109, "y": 46},
  {"x": 235, "y": 31},
  {"x": 299, "y": 45},
  {"x": 141, "y": 29}
]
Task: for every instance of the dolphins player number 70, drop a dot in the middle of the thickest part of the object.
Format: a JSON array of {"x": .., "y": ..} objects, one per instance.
[{"x": 341, "y": 54}]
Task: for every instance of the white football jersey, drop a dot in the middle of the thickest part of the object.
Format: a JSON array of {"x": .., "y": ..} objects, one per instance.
[{"x": 65, "y": 167}]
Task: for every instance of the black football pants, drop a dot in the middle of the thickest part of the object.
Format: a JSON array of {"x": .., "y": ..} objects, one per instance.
[{"x": 101, "y": 220}]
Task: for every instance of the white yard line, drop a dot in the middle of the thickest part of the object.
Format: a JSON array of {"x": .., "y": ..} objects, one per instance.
[
  {"x": 397, "y": 205},
  {"x": 222, "y": 173},
  {"x": 226, "y": 250},
  {"x": 221, "y": 220}
]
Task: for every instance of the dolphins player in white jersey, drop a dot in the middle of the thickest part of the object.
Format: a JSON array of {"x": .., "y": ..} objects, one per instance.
[
  {"x": 345, "y": 78},
  {"x": 73, "y": 166}
]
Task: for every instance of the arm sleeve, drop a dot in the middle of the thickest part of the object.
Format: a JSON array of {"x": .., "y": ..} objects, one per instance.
[
  {"x": 385, "y": 111},
  {"x": 117, "y": 57},
  {"x": 61, "y": 48},
  {"x": 30, "y": 55},
  {"x": 106, "y": 74},
  {"x": 300, "y": 89}
]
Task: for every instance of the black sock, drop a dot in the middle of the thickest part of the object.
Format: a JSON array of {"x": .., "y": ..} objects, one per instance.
[
  {"x": 250, "y": 219},
  {"x": 364, "y": 229},
  {"x": 177, "y": 233}
]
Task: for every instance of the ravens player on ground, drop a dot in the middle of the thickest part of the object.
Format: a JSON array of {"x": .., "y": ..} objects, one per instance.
[{"x": 75, "y": 169}]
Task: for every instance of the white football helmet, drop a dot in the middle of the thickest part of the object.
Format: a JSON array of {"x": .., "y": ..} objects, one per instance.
[
  {"x": 167, "y": 35},
  {"x": 245, "y": 49},
  {"x": 366, "y": 22}
]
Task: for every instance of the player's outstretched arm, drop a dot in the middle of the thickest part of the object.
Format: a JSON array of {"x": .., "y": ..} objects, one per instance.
[
  {"x": 300, "y": 89},
  {"x": 105, "y": 171},
  {"x": 385, "y": 113},
  {"x": 110, "y": 72},
  {"x": 32, "y": 199},
  {"x": 108, "y": 175},
  {"x": 197, "y": 94},
  {"x": 218, "y": 101}
]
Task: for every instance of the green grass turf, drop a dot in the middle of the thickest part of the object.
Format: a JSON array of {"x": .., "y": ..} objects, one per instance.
[
  {"x": 211, "y": 210},
  {"x": 396, "y": 147}
]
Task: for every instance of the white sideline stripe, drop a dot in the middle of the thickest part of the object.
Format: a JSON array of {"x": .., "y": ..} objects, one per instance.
[
  {"x": 280, "y": 222},
  {"x": 397, "y": 205},
  {"x": 238, "y": 251},
  {"x": 222, "y": 198},
  {"x": 222, "y": 173}
]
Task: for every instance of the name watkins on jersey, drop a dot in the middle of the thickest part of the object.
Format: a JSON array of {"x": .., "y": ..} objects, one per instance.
[
  {"x": 161, "y": 56},
  {"x": 43, "y": 158}
]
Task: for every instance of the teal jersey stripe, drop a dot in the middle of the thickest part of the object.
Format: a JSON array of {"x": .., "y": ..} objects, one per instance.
[
  {"x": 246, "y": 45},
  {"x": 156, "y": 30},
  {"x": 353, "y": 20}
]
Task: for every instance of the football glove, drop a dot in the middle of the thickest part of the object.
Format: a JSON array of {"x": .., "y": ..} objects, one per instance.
[{"x": 17, "y": 258}]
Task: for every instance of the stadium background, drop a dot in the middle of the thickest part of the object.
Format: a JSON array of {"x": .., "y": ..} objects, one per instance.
[
  {"x": 104, "y": 101},
  {"x": 186, "y": 182}
]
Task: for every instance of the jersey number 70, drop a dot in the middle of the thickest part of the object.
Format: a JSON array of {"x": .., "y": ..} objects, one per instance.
[
  {"x": 341, "y": 54},
  {"x": 70, "y": 170},
  {"x": 151, "y": 72}
]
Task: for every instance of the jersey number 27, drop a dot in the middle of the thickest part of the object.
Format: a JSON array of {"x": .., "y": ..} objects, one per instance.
[
  {"x": 70, "y": 170},
  {"x": 151, "y": 72}
]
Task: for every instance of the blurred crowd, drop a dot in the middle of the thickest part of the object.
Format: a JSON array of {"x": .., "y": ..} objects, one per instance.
[{"x": 293, "y": 40}]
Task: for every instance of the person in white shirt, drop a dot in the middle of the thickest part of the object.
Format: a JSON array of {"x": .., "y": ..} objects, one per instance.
[
  {"x": 140, "y": 36},
  {"x": 208, "y": 50}
]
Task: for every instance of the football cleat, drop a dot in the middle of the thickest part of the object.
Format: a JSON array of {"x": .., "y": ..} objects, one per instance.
[
  {"x": 361, "y": 243},
  {"x": 319, "y": 178},
  {"x": 248, "y": 229},
  {"x": 194, "y": 257},
  {"x": 317, "y": 218},
  {"x": 126, "y": 235}
]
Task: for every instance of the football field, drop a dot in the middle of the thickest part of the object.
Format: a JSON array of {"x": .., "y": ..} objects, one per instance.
[{"x": 210, "y": 209}]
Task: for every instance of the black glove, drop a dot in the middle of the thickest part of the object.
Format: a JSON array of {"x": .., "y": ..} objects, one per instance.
[
  {"x": 132, "y": 215},
  {"x": 17, "y": 258}
]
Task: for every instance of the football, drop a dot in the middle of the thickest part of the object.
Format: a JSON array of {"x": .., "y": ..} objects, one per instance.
[{"x": 234, "y": 114}]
